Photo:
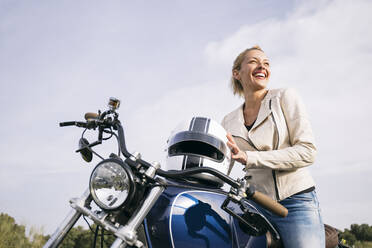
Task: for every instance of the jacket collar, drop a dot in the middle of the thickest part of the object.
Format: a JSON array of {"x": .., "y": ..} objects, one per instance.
[{"x": 237, "y": 126}]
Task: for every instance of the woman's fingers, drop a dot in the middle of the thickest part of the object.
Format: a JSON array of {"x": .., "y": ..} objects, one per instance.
[
  {"x": 233, "y": 147},
  {"x": 236, "y": 153},
  {"x": 231, "y": 143},
  {"x": 240, "y": 157},
  {"x": 230, "y": 138}
]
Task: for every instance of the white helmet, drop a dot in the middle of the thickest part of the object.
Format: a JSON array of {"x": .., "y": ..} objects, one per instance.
[{"x": 200, "y": 142}]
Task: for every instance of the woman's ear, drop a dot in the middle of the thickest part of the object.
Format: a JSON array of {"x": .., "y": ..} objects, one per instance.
[{"x": 236, "y": 74}]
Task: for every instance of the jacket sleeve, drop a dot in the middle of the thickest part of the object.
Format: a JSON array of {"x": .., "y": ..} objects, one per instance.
[{"x": 301, "y": 151}]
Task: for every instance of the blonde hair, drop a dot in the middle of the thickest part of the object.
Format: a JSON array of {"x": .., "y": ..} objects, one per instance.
[{"x": 236, "y": 85}]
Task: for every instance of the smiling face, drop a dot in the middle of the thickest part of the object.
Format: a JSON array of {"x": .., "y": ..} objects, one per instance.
[{"x": 254, "y": 72}]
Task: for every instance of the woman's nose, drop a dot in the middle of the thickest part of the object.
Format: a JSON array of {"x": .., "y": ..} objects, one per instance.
[{"x": 261, "y": 65}]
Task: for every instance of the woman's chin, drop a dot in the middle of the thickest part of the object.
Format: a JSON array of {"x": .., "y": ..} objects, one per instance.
[{"x": 260, "y": 85}]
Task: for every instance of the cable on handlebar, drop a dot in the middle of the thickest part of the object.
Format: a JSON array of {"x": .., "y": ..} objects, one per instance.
[
  {"x": 117, "y": 138},
  {"x": 193, "y": 171},
  {"x": 123, "y": 147}
]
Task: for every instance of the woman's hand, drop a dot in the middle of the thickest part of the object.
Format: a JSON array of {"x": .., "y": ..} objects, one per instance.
[{"x": 236, "y": 153}]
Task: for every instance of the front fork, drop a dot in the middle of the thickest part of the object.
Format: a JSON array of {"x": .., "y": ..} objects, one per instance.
[{"x": 126, "y": 234}]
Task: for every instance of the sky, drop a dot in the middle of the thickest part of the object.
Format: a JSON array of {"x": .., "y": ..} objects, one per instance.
[{"x": 167, "y": 61}]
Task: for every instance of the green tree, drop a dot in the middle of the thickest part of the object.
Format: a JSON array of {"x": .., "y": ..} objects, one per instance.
[
  {"x": 75, "y": 238},
  {"x": 362, "y": 232},
  {"x": 12, "y": 235},
  {"x": 78, "y": 237},
  {"x": 38, "y": 240},
  {"x": 348, "y": 237}
]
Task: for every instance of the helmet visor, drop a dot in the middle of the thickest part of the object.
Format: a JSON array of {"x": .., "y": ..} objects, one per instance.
[{"x": 196, "y": 143}]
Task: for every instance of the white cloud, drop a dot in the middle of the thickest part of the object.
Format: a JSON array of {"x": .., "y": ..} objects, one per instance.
[
  {"x": 322, "y": 44},
  {"x": 150, "y": 126}
]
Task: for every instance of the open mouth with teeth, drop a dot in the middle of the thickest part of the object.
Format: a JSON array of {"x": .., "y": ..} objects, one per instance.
[{"x": 259, "y": 75}]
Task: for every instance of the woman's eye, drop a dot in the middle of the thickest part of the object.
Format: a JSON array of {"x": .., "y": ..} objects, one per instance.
[{"x": 267, "y": 64}]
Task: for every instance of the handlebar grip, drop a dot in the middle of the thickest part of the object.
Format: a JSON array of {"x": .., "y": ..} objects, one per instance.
[
  {"x": 269, "y": 204},
  {"x": 67, "y": 123},
  {"x": 90, "y": 116}
]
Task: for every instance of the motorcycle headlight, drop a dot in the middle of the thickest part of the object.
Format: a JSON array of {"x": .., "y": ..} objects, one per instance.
[{"x": 111, "y": 184}]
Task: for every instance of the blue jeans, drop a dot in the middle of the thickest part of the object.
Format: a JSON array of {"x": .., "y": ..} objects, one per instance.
[{"x": 303, "y": 227}]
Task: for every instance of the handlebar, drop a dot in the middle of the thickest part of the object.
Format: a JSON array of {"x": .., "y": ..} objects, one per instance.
[
  {"x": 269, "y": 204},
  {"x": 73, "y": 123},
  {"x": 193, "y": 171},
  {"x": 258, "y": 197}
]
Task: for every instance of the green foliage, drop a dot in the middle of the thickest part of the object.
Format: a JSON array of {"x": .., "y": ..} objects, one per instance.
[
  {"x": 82, "y": 238},
  {"x": 348, "y": 237},
  {"x": 13, "y": 235},
  {"x": 362, "y": 232},
  {"x": 358, "y": 235},
  {"x": 361, "y": 244},
  {"x": 37, "y": 238}
]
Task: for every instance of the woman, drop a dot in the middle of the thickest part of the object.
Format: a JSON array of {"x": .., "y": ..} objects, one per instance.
[{"x": 270, "y": 135}]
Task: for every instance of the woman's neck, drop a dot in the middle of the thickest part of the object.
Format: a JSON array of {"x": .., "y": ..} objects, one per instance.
[
  {"x": 252, "y": 105},
  {"x": 254, "y": 98}
]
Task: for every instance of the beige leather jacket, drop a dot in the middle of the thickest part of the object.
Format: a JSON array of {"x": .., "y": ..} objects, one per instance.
[{"x": 279, "y": 146}]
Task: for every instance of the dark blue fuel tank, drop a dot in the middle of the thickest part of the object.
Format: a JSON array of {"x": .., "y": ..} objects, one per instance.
[{"x": 183, "y": 218}]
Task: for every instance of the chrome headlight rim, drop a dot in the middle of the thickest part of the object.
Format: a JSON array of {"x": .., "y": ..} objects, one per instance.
[{"x": 132, "y": 185}]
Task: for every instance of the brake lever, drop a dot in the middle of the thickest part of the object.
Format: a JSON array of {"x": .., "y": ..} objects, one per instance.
[
  {"x": 225, "y": 207},
  {"x": 247, "y": 215}
]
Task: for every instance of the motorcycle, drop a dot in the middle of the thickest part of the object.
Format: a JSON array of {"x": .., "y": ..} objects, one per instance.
[{"x": 145, "y": 206}]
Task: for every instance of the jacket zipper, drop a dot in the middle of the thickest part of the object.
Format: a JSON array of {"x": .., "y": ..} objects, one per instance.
[
  {"x": 273, "y": 171},
  {"x": 276, "y": 148},
  {"x": 275, "y": 186}
]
